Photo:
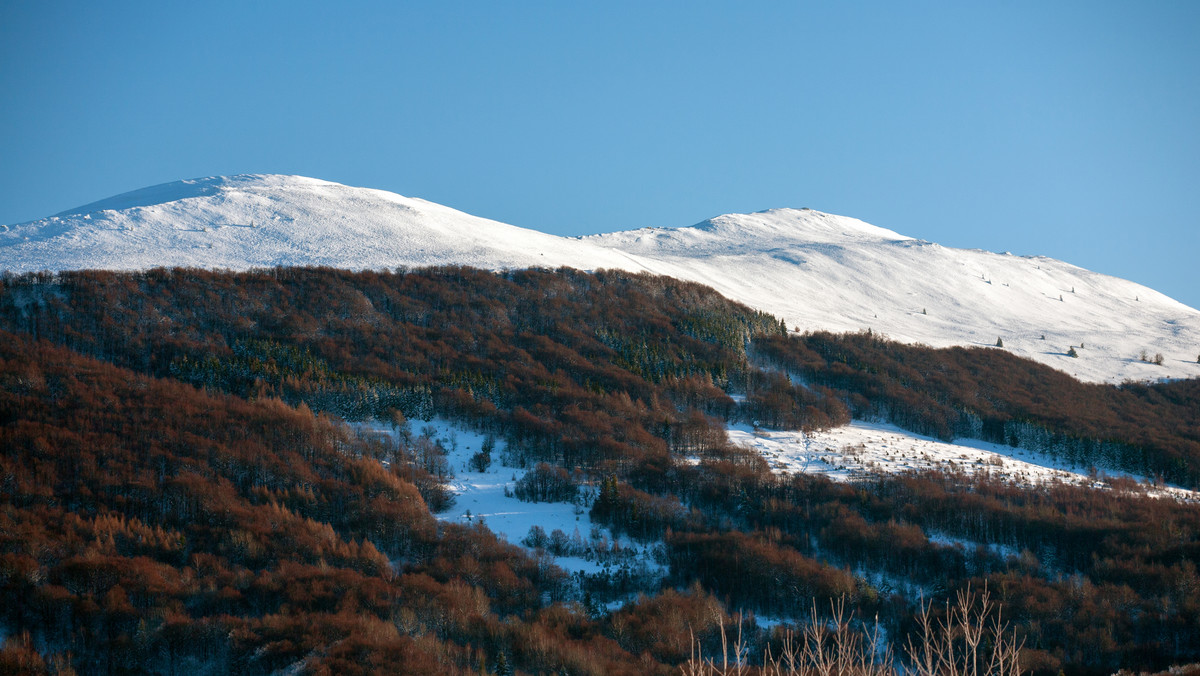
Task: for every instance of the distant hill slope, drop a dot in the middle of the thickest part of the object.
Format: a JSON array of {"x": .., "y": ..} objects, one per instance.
[{"x": 814, "y": 270}]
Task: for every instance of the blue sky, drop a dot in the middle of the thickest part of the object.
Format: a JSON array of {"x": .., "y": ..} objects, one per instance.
[{"x": 1069, "y": 129}]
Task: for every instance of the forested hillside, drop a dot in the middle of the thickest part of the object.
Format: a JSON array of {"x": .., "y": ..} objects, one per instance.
[
  {"x": 181, "y": 496},
  {"x": 986, "y": 393},
  {"x": 151, "y": 527}
]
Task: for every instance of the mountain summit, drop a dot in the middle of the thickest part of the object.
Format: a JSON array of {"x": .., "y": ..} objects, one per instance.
[
  {"x": 256, "y": 220},
  {"x": 814, "y": 270},
  {"x": 811, "y": 225}
]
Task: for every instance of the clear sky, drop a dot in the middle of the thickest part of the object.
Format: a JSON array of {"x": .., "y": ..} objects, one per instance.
[{"x": 1069, "y": 129}]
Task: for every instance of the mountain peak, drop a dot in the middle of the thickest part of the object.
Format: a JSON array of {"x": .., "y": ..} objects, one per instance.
[
  {"x": 175, "y": 191},
  {"x": 266, "y": 220},
  {"x": 800, "y": 225},
  {"x": 812, "y": 269}
]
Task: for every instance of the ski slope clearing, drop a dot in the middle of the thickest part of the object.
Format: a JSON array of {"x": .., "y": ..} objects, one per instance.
[
  {"x": 814, "y": 270},
  {"x": 862, "y": 449}
]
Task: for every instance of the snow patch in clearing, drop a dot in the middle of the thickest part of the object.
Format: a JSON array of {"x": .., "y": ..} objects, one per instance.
[
  {"x": 486, "y": 497},
  {"x": 862, "y": 449},
  {"x": 952, "y": 542}
]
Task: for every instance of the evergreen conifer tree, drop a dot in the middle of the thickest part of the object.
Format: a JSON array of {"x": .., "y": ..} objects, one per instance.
[{"x": 502, "y": 666}]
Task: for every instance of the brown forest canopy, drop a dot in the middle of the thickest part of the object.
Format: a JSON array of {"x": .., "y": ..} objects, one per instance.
[{"x": 179, "y": 494}]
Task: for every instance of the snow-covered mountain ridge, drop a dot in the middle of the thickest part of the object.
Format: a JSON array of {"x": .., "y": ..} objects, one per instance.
[{"x": 815, "y": 270}]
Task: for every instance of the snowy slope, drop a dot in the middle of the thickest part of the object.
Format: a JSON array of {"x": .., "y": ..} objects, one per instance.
[
  {"x": 486, "y": 497},
  {"x": 871, "y": 448},
  {"x": 814, "y": 270},
  {"x": 247, "y": 221},
  {"x": 818, "y": 270}
]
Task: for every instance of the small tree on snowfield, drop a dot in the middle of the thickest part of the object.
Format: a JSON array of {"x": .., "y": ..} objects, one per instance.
[
  {"x": 999, "y": 342},
  {"x": 1072, "y": 353},
  {"x": 480, "y": 462},
  {"x": 483, "y": 459},
  {"x": 545, "y": 483}
]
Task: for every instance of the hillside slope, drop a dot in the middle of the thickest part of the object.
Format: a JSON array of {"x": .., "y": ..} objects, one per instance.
[
  {"x": 192, "y": 402},
  {"x": 815, "y": 270},
  {"x": 819, "y": 270},
  {"x": 249, "y": 221}
]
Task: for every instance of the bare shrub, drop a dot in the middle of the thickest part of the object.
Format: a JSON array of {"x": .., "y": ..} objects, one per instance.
[{"x": 970, "y": 639}]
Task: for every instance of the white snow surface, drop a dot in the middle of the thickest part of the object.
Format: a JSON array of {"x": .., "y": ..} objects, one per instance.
[
  {"x": 812, "y": 269},
  {"x": 862, "y": 448},
  {"x": 480, "y": 498}
]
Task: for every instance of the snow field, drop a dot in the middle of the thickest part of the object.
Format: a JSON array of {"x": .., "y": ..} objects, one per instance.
[
  {"x": 819, "y": 271},
  {"x": 486, "y": 497},
  {"x": 862, "y": 449}
]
